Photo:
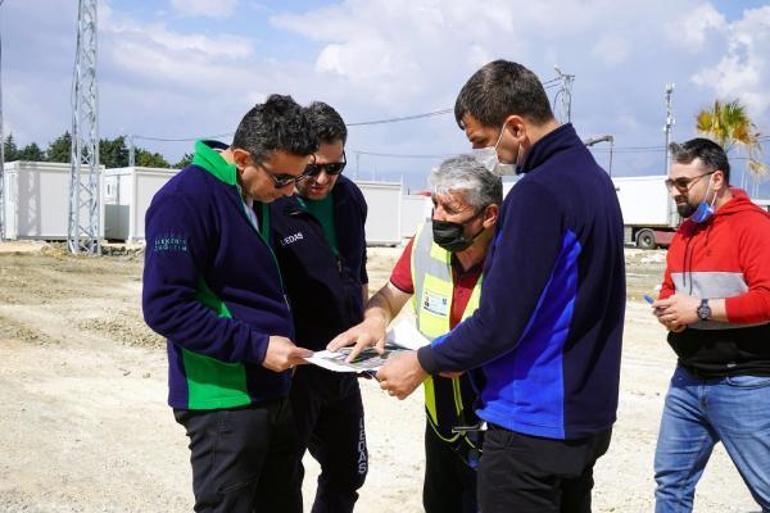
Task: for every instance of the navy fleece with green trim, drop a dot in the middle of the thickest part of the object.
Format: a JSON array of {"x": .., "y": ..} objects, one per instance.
[{"x": 213, "y": 289}]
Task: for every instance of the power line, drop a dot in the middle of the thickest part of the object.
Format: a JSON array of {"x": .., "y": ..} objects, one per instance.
[
  {"x": 402, "y": 118},
  {"x": 404, "y": 155},
  {"x": 548, "y": 84},
  {"x": 181, "y": 139}
]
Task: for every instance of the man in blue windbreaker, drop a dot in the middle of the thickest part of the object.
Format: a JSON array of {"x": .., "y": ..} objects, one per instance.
[
  {"x": 546, "y": 337},
  {"x": 212, "y": 287}
]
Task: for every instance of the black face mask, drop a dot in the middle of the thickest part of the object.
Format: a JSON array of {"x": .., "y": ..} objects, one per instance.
[{"x": 451, "y": 236}]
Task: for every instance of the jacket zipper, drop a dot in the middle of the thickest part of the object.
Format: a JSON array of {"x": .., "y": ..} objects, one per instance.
[{"x": 266, "y": 224}]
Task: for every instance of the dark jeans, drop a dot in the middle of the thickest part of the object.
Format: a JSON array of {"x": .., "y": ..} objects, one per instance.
[
  {"x": 329, "y": 417},
  {"x": 450, "y": 484},
  {"x": 242, "y": 459},
  {"x": 528, "y": 474}
]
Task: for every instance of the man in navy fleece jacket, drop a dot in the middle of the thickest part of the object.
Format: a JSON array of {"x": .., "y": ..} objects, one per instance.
[
  {"x": 212, "y": 287},
  {"x": 545, "y": 341}
]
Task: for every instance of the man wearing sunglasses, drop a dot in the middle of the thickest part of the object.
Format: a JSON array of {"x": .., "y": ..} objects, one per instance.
[
  {"x": 321, "y": 247},
  {"x": 715, "y": 302},
  {"x": 212, "y": 287}
]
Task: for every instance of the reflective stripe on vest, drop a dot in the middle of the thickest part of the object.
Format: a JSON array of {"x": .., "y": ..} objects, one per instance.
[{"x": 432, "y": 302}]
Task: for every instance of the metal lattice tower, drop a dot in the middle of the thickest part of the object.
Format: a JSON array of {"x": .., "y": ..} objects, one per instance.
[
  {"x": 2, "y": 152},
  {"x": 84, "y": 212}
]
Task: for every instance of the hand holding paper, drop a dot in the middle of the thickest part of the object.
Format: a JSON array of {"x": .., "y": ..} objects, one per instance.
[{"x": 371, "y": 348}]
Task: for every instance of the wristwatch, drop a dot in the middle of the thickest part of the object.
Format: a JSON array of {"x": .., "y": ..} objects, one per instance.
[{"x": 704, "y": 310}]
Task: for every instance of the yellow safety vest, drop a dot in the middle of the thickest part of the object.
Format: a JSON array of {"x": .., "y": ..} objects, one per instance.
[{"x": 432, "y": 302}]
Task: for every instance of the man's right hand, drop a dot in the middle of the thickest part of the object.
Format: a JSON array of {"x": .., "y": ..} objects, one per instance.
[
  {"x": 369, "y": 333},
  {"x": 671, "y": 326},
  {"x": 282, "y": 354}
]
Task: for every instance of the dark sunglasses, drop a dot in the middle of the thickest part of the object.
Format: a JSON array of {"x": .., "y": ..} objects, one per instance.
[
  {"x": 331, "y": 168},
  {"x": 684, "y": 184}
]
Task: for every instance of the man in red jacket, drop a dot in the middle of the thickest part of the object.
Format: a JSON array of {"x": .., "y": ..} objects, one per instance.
[{"x": 715, "y": 302}]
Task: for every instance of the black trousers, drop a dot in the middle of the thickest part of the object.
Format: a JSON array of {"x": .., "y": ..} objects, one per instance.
[
  {"x": 242, "y": 459},
  {"x": 329, "y": 418},
  {"x": 528, "y": 474},
  {"x": 450, "y": 484}
]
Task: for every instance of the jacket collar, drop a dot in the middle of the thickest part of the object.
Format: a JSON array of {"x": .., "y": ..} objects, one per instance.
[
  {"x": 206, "y": 157},
  {"x": 553, "y": 142}
]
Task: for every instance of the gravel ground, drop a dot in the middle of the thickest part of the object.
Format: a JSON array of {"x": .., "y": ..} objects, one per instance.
[{"x": 85, "y": 427}]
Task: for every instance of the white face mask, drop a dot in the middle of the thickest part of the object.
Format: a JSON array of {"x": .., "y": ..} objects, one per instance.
[{"x": 488, "y": 158}]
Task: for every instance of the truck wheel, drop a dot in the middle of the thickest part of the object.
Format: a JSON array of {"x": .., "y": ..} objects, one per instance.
[{"x": 645, "y": 239}]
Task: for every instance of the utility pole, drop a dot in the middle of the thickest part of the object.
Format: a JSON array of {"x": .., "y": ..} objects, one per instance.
[
  {"x": 565, "y": 93},
  {"x": 2, "y": 148},
  {"x": 670, "y": 122},
  {"x": 131, "y": 151},
  {"x": 83, "y": 232}
]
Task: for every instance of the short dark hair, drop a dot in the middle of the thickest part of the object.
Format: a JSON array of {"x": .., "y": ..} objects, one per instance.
[
  {"x": 278, "y": 124},
  {"x": 499, "y": 89},
  {"x": 711, "y": 154},
  {"x": 327, "y": 123}
]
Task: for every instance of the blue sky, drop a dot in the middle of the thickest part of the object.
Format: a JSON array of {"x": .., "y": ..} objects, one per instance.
[{"x": 186, "y": 68}]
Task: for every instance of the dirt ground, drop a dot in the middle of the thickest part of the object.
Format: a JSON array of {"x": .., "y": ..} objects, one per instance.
[{"x": 85, "y": 427}]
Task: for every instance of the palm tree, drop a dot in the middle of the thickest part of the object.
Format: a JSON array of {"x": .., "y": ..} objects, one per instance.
[{"x": 730, "y": 125}]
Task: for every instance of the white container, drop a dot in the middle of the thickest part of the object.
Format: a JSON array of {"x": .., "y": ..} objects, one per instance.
[
  {"x": 383, "y": 222},
  {"x": 128, "y": 192},
  {"x": 36, "y": 200},
  {"x": 645, "y": 201},
  {"x": 415, "y": 209}
]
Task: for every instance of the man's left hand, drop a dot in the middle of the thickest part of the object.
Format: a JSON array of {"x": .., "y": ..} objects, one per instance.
[
  {"x": 401, "y": 375},
  {"x": 677, "y": 310}
]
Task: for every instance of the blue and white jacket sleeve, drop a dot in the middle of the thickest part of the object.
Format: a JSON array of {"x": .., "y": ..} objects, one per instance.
[
  {"x": 524, "y": 252},
  {"x": 179, "y": 244}
]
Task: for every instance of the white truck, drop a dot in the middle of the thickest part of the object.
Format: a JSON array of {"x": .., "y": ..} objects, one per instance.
[{"x": 649, "y": 214}]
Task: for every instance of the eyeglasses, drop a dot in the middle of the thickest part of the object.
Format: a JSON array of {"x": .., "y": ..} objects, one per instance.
[
  {"x": 331, "y": 168},
  {"x": 684, "y": 184},
  {"x": 281, "y": 180}
]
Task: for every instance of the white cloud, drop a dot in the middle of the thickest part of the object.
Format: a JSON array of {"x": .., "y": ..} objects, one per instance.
[
  {"x": 695, "y": 26},
  {"x": 164, "y": 56},
  {"x": 743, "y": 72},
  {"x": 160, "y": 36},
  {"x": 612, "y": 49},
  {"x": 373, "y": 59},
  {"x": 206, "y": 8}
]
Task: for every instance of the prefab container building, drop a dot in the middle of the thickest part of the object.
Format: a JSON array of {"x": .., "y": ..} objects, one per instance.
[
  {"x": 383, "y": 222},
  {"x": 36, "y": 200},
  {"x": 128, "y": 192},
  {"x": 415, "y": 209}
]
